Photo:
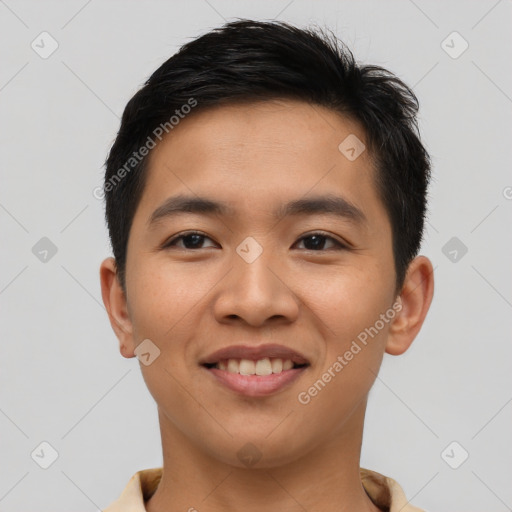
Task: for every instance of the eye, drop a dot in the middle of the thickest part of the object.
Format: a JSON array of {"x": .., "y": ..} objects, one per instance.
[
  {"x": 317, "y": 242},
  {"x": 313, "y": 242},
  {"x": 191, "y": 240}
]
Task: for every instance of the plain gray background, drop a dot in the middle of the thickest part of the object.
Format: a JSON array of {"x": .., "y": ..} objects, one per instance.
[{"x": 62, "y": 378}]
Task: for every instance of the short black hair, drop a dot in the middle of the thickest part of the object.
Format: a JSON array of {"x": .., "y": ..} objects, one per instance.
[{"x": 249, "y": 60}]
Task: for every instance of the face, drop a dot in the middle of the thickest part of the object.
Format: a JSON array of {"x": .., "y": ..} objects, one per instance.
[{"x": 310, "y": 285}]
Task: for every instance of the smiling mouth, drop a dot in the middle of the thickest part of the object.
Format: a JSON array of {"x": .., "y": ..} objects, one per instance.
[
  {"x": 256, "y": 378},
  {"x": 260, "y": 367}
]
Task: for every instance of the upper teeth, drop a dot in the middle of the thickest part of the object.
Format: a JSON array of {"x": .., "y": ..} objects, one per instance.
[{"x": 263, "y": 366}]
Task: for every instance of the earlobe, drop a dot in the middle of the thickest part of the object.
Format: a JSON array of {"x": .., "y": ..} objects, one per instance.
[
  {"x": 415, "y": 299},
  {"x": 115, "y": 303}
]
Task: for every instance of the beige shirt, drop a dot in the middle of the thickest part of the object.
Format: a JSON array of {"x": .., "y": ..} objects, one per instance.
[{"x": 385, "y": 492}]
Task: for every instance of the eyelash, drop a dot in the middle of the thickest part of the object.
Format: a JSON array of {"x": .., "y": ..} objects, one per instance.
[{"x": 339, "y": 245}]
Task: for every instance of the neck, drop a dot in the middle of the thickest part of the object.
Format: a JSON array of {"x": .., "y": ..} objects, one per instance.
[{"x": 326, "y": 479}]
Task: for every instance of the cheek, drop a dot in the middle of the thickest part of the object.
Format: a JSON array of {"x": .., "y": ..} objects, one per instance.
[
  {"x": 348, "y": 300},
  {"x": 161, "y": 296},
  {"x": 163, "y": 300},
  {"x": 354, "y": 349},
  {"x": 349, "y": 307}
]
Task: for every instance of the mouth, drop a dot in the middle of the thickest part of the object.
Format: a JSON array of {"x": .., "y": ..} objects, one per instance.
[
  {"x": 260, "y": 367},
  {"x": 256, "y": 371}
]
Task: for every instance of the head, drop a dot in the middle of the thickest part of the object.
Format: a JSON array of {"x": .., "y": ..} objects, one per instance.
[
  {"x": 251, "y": 61},
  {"x": 259, "y": 116}
]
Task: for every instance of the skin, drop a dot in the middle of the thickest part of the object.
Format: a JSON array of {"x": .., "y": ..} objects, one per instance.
[{"x": 192, "y": 301}]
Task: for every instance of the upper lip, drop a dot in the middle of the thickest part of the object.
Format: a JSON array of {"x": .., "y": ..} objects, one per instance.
[{"x": 255, "y": 353}]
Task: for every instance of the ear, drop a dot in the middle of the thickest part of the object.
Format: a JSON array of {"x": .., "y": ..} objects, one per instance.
[
  {"x": 115, "y": 302},
  {"x": 415, "y": 298}
]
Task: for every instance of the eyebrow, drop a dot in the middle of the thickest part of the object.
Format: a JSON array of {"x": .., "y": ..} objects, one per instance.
[{"x": 318, "y": 205}]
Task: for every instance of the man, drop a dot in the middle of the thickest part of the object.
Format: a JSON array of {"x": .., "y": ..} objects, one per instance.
[{"x": 265, "y": 199}]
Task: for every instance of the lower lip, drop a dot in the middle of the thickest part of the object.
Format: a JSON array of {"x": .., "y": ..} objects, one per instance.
[{"x": 256, "y": 385}]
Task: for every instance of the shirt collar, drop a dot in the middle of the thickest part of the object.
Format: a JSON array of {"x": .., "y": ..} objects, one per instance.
[{"x": 385, "y": 492}]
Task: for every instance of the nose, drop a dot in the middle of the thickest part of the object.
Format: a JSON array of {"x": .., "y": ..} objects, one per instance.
[{"x": 256, "y": 292}]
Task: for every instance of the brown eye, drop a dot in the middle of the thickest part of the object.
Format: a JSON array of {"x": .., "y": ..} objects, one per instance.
[
  {"x": 191, "y": 240},
  {"x": 317, "y": 242}
]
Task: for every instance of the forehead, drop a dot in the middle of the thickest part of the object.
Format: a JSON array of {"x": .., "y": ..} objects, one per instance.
[
  {"x": 255, "y": 154},
  {"x": 273, "y": 129}
]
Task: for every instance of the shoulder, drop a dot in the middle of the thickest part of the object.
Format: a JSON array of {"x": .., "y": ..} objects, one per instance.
[{"x": 385, "y": 492}]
